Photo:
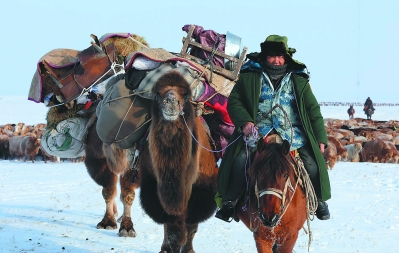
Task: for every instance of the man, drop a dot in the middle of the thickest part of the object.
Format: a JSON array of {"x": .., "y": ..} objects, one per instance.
[{"x": 268, "y": 78}]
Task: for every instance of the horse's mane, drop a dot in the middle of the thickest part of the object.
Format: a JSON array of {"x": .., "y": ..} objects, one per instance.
[{"x": 270, "y": 163}]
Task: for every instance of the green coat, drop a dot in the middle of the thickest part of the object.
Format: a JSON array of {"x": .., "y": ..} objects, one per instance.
[{"x": 243, "y": 105}]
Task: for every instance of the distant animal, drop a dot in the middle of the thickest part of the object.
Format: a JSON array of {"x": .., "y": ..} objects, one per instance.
[
  {"x": 29, "y": 147},
  {"x": 342, "y": 153},
  {"x": 351, "y": 112},
  {"x": 369, "y": 112},
  {"x": 42, "y": 152},
  {"x": 275, "y": 205},
  {"x": 376, "y": 151},
  {"x": 14, "y": 145},
  {"x": 330, "y": 155},
  {"x": 395, "y": 152},
  {"x": 353, "y": 152},
  {"x": 4, "y": 146},
  {"x": 177, "y": 172}
]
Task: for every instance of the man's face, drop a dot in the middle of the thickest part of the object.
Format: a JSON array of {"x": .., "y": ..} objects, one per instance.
[{"x": 277, "y": 60}]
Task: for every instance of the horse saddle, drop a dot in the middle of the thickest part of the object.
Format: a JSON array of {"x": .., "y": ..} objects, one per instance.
[{"x": 93, "y": 66}]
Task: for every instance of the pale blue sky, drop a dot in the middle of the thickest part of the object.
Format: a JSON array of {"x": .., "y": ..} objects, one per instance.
[{"x": 351, "y": 47}]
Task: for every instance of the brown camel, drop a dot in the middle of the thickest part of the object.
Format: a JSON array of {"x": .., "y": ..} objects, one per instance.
[
  {"x": 104, "y": 163},
  {"x": 177, "y": 174}
]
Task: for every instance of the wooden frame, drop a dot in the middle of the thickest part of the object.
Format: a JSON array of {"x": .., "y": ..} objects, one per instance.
[{"x": 188, "y": 43}]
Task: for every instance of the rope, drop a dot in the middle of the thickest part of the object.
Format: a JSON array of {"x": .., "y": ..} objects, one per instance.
[
  {"x": 210, "y": 59},
  {"x": 310, "y": 196},
  {"x": 113, "y": 65},
  {"x": 210, "y": 150},
  {"x": 141, "y": 44}
]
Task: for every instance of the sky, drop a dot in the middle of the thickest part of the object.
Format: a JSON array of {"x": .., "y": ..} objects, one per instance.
[
  {"x": 55, "y": 207},
  {"x": 349, "y": 47}
]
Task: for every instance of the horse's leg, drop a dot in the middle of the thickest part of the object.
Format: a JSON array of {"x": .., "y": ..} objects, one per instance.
[
  {"x": 175, "y": 236},
  {"x": 288, "y": 245},
  {"x": 264, "y": 244},
  {"x": 127, "y": 197},
  {"x": 191, "y": 230}
]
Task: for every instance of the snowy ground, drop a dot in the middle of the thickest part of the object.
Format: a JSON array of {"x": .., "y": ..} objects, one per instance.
[{"x": 55, "y": 207}]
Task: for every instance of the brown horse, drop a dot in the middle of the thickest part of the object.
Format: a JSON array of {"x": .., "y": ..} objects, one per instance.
[
  {"x": 177, "y": 175},
  {"x": 274, "y": 205}
]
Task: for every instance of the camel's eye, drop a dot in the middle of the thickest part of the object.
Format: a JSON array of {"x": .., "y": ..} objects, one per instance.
[{"x": 186, "y": 97}]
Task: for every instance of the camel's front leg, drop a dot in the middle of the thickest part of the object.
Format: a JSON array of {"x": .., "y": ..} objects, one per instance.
[
  {"x": 175, "y": 236},
  {"x": 191, "y": 230},
  {"x": 127, "y": 197}
]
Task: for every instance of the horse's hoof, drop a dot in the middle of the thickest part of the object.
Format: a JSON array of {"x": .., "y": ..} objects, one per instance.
[{"x": 125, "y": 233}]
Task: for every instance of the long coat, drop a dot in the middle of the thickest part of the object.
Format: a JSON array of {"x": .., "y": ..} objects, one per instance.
[{"x": 243, "y": 105}]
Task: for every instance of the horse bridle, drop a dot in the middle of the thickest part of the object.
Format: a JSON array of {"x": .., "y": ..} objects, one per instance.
[{"x": 281, "y": 194}]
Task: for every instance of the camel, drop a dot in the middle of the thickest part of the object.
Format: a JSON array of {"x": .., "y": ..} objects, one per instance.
[
  {"x": 177, "y": 174},
  {"x": 106, "y": 164}
]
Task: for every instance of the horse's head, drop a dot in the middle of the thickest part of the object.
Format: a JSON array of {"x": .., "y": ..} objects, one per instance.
[
  {"x": 171, "y": 94},
  {"x": 272, "y": 177}
]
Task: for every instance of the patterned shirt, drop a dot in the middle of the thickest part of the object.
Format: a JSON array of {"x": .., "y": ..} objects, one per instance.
[{"x": 285, "y": 97}]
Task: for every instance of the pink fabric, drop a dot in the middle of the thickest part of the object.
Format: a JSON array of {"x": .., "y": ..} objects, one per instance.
[
  {"x": 208, "y": 38},
  {"x": 109, "y": 35}
]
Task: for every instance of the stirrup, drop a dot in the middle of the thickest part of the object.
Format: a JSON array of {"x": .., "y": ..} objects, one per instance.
[{"x": 226, "y": 212}]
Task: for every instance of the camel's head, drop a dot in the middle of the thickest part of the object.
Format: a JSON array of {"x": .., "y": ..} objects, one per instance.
[{"x": 171, "y": 94}]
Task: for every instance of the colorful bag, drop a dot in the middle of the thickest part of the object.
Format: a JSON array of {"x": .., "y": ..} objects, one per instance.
[{"x": 66, "y": 140}]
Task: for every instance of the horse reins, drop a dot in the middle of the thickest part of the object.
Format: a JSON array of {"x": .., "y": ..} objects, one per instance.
[{"x": 282, "y": 195}]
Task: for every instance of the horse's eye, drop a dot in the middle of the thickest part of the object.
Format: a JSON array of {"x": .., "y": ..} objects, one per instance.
[
  {"x": 185, "y": 98},
  {"x": 156, "y": 96},
  {"x": 285, "y": 176}
]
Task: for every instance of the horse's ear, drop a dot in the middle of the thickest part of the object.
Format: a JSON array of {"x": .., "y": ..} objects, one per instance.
[
  {"x": 261, "y": 145},
  {"x": 285, "y": 147}
]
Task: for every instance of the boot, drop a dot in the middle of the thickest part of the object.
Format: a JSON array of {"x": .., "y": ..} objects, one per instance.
[
  {"x": 226, "y": 212},
  {"x": 322, "y": 212}
]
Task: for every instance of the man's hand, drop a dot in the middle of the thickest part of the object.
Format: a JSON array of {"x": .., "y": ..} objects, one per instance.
[
  {"x": 247, "y": 128},
  {"x": 321, "y": 145}
]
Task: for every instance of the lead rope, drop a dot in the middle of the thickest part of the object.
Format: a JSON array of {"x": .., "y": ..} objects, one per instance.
[
  {"x": 202, "y": 146},
  {"x": 310, "y": 195}
]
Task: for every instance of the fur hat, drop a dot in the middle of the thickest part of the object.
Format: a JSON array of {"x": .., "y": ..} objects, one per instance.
[{"x": 276, "y": 45}]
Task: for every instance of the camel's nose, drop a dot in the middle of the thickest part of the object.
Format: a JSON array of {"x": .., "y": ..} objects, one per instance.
[{"x": 170, "y": 98}]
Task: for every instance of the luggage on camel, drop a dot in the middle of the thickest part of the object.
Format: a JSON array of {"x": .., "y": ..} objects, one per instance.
[
  {"x": 123, "y": 116},
  {"x": 93, "y": 66},
  {"x": 66, "y": 140}
]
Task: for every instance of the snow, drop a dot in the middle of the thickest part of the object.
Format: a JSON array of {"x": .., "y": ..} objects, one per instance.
[{"x": 55, "y": 207}]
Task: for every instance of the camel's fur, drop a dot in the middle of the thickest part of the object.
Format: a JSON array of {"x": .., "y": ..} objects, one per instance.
[{"x": 178, "y": 176}]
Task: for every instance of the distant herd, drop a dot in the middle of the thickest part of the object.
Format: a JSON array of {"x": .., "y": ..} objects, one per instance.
[
  {"x": 22, "y": 142},
  {"x": 360, "y": 140},
  {"x": 353, "y": 140}
]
